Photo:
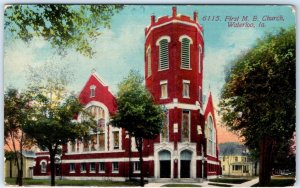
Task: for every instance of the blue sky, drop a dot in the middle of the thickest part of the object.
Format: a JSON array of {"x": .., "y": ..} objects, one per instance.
[{"x": 121, "y": 48}]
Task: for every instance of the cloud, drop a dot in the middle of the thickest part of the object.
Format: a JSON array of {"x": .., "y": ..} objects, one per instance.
[{"x": 218, "y": 57}]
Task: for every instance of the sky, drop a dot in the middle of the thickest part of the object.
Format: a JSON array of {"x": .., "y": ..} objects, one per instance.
[{"x": 121, "y": 48}]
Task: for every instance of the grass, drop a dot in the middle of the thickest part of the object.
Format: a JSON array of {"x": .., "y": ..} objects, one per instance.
[
  {"x": 12, "y": 181},
  {"x": 180, "y": 185},
  {"x": 231, "y": 180},
  {"x": 220, "y": 185},
  {"x": 280, "y": 181}
]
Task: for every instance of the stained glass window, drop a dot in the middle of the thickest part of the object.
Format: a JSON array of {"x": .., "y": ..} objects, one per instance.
[
  {"x": 185, "y": 130},
  {"x": 165, "y": 128},
  {"x": 101, "y": 141}
]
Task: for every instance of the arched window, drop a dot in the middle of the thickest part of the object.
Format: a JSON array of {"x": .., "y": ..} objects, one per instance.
[
  {"x": 97, "y": 135},
  {"x": 43, "y": 166},
  {"x": 185, "y": 51},
  {"x": 149, "y": 72},
  {"x": 211, "y": 137},
  {"x": 163, "y": 43},
  {"x": 165, "y": 128}
]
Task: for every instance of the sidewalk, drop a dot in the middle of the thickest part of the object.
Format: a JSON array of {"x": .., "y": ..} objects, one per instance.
[{"x": 247, "y": 183}]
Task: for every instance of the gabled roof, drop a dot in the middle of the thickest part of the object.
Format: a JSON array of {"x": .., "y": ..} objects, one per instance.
[{"x": 232, "y": 148}]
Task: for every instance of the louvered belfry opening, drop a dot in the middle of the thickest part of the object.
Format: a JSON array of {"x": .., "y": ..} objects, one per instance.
[
  {"x": 163, "y": 55},
  {"x": 185, "y": 53}
]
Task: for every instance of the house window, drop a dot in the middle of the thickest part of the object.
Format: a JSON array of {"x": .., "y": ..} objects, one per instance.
[
  {"x": 223, "y": 168},
  {"x": 93, "y": 167},
  {"x": 185, "y": 53},
  {"x": 82, "y": 167},
  {"x": 165, "y": 128},
  {"x": 101, "y": 167},
  {"x": 43, "y": 167},
  {"x": 163, "y": 60},
  {"x": 93, "y": 89},
  {"x": 136, "y": 166},
  {"x": 164, "y": 89},
  {"x": 149, "y": 62},
  {"x": 116, "y": 139},
  {"x": 72, "y": 167},
  {"x": 185, "y": 130},
  {"x": 236, "y": 159},
  {"x": 115, "y": 167},
  {"x": 200, "y": 55},
  {"x": 224, "y": 159},
  {"x": 186, "y": 89}
]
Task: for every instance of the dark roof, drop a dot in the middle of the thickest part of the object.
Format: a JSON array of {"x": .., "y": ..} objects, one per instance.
[
  {"x": 28, "y": 154},
  {"x": 232, "y": 148}
]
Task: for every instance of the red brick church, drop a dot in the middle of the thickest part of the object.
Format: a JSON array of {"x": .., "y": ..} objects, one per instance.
[{"x": 187, "y": 145}]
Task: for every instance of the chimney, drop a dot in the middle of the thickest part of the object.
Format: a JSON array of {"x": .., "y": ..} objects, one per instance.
[
  {"x": 196, "y": 16},
  {"x": 174, "y": 12},
  {"x": 152, "y": 19}
]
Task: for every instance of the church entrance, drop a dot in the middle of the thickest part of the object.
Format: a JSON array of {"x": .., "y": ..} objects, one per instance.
[
  {"x": 165, "y": 164},
  {"x": 185, "y": 164}
]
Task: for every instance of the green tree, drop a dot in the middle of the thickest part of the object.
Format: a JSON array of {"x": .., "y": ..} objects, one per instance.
[
  {"x": 258, "y": 99},
  {"x": 52, "y": 124},
  {"x": 64, "y": 26},
  {"x": 137, "y": 113},
  {"x": 51, "y": 121},
  {"x": 16, "y": 110}
]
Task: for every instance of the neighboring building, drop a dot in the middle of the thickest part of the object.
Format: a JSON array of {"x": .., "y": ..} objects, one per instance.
[
  {"x": 187, "y": 146},
  {"x": 235, "y": 160},
  {"x": 10, "y": 166}
]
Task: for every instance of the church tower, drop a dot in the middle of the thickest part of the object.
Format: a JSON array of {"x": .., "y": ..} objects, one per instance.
[{"x": 174, "y": 73}]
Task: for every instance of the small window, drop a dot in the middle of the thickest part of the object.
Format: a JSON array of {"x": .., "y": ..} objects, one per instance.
[
  {"x": 224, "y": 159},
  {"x": 185, "y": 130},
  {"x": 164, "y": 89},
  {"x": 223, "y": 168},
  {"x": 115, "y": 167},
  {"x": 43, "y": 167},
  {"x": 93, "y": 89},
  {"x": 82, "y": 167},
  {"x": 72, "y": 167},
  {"x": 102, "y": 167},
  {"x": 236, "y": 159},
  {"x": 136, "y": 166},
  {"x": 93, "y": 167},
  {"x": 186, "y": 89},
  {"x": 116, "y": 139}
]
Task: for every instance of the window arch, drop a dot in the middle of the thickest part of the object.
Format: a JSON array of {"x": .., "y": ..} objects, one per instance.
[
  {"x": 186, "y": 41},
  {"x": 211, "y": 137},
  {"x": 163, "y": 43},
  {"x": 43, "y": 164}
]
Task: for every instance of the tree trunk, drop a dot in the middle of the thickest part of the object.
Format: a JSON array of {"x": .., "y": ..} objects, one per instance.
[
  {"x": 265, "y": 161},
  {"x": 52, "y": 165},
  {"x": 20, "y": 174},
  {"x": 139, "y": 143}
]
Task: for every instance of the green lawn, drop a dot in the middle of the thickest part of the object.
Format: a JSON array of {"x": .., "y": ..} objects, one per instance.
[
  {"x": 231, "y": 180},
  {"x": 180, "y": 185},
  {"x": 280, "y": 181},
  {"x": 11, "y": 181}
]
